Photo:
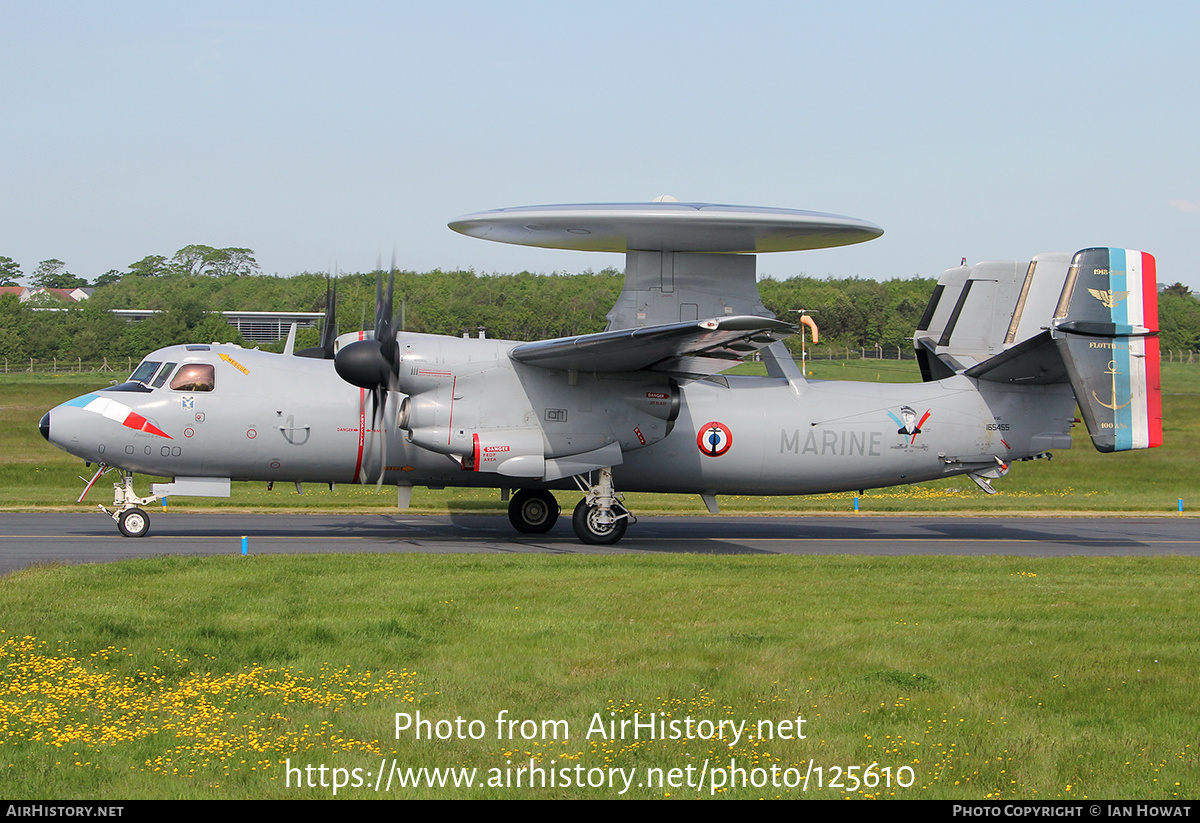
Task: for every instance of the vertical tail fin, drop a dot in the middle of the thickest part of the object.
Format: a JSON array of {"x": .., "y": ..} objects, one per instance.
[{"x": 1106, "y": 330}]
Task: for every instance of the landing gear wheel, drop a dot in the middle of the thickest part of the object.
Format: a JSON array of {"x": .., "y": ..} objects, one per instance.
[
  {"x": 533, "y": 511},
  {"x": 133, "y": 523},
  {"x": 590, "y": 528}
]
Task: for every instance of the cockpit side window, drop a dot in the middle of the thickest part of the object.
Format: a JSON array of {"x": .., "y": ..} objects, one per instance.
[
  {"x": 163, "y": 375},
  {"x": 194, "y": 377},
  {"x": 144, "y": 371}
]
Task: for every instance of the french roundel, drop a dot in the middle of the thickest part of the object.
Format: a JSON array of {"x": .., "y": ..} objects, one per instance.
[{"x": 714, "y": 439}]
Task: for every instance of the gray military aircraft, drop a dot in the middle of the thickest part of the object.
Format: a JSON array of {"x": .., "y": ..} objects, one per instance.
[{"x": 1006, "y": 351}]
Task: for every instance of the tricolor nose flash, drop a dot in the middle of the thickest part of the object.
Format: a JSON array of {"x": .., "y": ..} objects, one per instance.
[{"x": 113, "y": 410}]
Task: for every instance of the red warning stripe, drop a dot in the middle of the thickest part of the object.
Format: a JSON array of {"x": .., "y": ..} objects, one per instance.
[
  {"x": 450, "y": 423},
  {"x": 1153, "y": 394},
  {"x": 362, "y": 430}
]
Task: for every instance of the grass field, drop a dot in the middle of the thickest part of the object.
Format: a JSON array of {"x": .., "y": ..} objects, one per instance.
[
  {"x": 957, "y": 677},
  {"x": 917, "y": 677}
]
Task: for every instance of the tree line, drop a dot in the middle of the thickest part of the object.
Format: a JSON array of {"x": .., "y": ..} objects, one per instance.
[
  {"x": 194, "y": 260},
  {"x": 190, "y": 287}
]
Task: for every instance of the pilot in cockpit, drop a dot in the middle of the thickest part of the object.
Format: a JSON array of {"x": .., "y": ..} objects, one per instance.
[{"x": 194, "y": 377}]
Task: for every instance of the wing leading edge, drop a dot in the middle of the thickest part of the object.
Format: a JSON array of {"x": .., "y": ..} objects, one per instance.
[{"x": 688, "y": 350}]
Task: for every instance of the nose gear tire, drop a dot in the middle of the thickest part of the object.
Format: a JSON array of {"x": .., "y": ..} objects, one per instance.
[{"x": 133, "y": 523}]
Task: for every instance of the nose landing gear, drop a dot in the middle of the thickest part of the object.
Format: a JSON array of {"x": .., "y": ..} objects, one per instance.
[
  {"x": 131, "y": 519},
  {"x": 133, "y": 522}
]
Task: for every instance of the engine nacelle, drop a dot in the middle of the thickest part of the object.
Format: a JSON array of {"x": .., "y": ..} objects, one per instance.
[
  {"x": 511, "y": 452},
  {"x": 468, "y": 400},
  {"x": 427, "y": 362},
  {"x": 433, "y": 438},
  {"x": 659, "y": 401}
]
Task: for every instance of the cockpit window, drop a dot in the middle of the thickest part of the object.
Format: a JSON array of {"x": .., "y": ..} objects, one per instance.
[
  {"x": 144, "y": 371},
  {"x": 194, "y": 377},
  {"x": 163, "y": 375}
]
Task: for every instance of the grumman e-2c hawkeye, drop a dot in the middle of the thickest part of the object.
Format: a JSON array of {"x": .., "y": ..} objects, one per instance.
[{"x": 1006, "y": 351}]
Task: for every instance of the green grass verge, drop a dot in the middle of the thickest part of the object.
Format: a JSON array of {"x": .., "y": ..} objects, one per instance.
[
  {"x": 37, "y": 475},
  {"x": 1011, "y": 678}
]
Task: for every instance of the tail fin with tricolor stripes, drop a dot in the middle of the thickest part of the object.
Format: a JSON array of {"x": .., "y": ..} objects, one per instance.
[{"x": 1106, "y": 329}]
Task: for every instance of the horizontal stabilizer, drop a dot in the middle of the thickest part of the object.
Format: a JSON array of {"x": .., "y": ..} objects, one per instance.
[
  {"x": 1033, "y": 362},
  {"x": 689, "y": 349}
]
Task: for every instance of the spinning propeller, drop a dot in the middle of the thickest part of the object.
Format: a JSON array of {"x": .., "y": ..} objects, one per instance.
[
  {"x": 329, "y": 331},
  {"x": 372, "y": 364}
]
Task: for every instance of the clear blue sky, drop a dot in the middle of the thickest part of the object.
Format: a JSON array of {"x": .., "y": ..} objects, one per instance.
[{"x": 322, "y": 134}]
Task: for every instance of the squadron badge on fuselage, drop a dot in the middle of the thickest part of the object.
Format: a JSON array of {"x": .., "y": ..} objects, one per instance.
[{"x": 910, "y": 427}]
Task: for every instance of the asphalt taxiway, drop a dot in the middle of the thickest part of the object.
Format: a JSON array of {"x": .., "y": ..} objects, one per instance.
[{"x": 31, "y": 538}]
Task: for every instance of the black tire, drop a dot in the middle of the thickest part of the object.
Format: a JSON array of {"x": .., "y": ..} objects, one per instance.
[
  {"x": 533, "y": 511},
  {"x": 133, "y": 523},
  {"x": 593, "y": 533}
]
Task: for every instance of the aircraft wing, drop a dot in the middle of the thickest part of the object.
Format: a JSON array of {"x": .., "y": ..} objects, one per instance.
[{"x": 690, "y": 350}]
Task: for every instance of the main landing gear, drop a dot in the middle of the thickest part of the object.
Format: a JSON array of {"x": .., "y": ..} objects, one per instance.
[
  {"x": 597, "y": 527},
  {"x": 533, "y": 511},
  {"x": 599, "y": 518}
]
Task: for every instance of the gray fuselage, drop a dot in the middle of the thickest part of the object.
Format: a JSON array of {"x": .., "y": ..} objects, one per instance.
[{"x": 270, "y": 417}]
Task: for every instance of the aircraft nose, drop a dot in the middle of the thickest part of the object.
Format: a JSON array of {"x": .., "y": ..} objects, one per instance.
[{"x": 44, "y": 426}]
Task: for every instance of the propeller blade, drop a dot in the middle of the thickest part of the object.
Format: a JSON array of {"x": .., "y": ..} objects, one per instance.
[
  {"x": 385, "y": 333},
  {"x": 378, "y": 298},
  {"x": 372, "y": 364},
  {"x": 329, "y": 330},
  {"x": 382, "y": 443},
  {"x": 385, "y": 330}
]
